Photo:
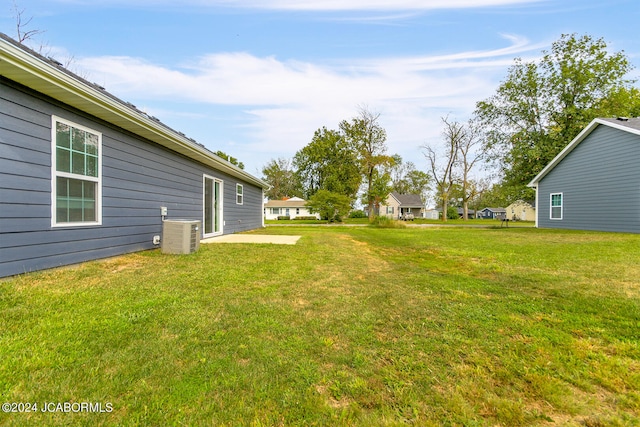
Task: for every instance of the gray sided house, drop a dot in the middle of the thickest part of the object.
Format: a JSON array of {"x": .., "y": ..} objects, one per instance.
[
  {"x": 492, "y": 213},
  {"x": 594, "y": 183},
  {"x": 83, "y": 175}
]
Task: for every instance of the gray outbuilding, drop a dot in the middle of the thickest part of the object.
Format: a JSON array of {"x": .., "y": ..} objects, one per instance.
[
  {"x": 84, "y": 175},
  {"x": 594, "y": 183}
]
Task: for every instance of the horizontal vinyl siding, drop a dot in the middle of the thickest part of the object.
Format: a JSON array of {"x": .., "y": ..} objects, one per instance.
[
  {"x": 600, "y": 182},
  {"x": 247, "y": 216},
  {"x": 138, "y": 178}
]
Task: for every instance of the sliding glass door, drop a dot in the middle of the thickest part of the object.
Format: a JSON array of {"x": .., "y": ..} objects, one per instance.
[{"x": 212, "y": 206}]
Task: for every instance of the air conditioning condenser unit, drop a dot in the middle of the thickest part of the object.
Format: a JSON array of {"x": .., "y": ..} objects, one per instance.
[{"x": 180, "y": 236}]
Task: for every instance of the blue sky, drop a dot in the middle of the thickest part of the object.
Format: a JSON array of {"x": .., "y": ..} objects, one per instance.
[{"x": 256, "y": 78}]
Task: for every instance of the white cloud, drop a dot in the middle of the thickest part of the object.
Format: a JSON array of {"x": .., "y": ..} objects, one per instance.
[
  {"x": 325, "y": 5},
  {"x": 373, "y": 5},
  {"x": 286, "y": 101}
]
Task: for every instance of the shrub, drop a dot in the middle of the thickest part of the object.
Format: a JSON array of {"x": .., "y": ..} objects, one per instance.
[
  {"x": 330, "y": 205},
  {"x": 305, "y": 218},
  {"x": 285, "y": 217},
  {"x": 357, "y": 214},
  {"x": 452, "y": 212},
  {"x": 386, "y": 222}
]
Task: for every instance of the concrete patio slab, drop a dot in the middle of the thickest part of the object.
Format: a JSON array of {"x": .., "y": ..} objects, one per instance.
[{"x": 253, "y": 238}]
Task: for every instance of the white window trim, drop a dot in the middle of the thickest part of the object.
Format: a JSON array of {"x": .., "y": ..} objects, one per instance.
[
  {"x": 55, "y": 174},
  {"x": 241, "y": 194},
  {"x": 551, "y": 206}
]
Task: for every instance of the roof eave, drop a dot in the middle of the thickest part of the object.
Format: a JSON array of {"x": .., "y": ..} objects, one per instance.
[{"x": 20, "y": 66}]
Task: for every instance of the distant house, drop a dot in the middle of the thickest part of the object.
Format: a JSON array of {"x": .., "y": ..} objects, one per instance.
[
  {"x": 471, "y": 213},
  {"x": 84, "y": 175},
  {"x": 292, "y": 208},
  {"x": 521, "y": 211},
  {"x": 398, "y": 204},
  {"x": 492, "y": 213},
  {"x": 594, "y": 183}
]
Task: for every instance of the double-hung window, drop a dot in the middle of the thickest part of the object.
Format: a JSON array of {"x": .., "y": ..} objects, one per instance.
[
  {"x": 556, "y": 206},
  {"x": 239, "y": 194},
  {"x": 76, "y": 174}
]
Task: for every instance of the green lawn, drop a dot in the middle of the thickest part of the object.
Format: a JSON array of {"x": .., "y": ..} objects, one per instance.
[{"x": 351, "y": 326}]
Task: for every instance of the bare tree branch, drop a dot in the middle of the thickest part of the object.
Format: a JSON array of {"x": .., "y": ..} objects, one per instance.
[
  {"x": 442, "y": 167},
  {"x": 22, "y": 34}
]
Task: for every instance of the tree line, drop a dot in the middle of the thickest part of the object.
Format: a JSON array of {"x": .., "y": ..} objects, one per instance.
[
  {"x": 341, "y": 165},
  {"x": 536, "y": 111}
]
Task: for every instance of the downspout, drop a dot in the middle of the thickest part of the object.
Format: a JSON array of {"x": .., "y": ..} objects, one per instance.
[
  {"x": 262, "y": 211},
  {"x": 537, "y": 211}
]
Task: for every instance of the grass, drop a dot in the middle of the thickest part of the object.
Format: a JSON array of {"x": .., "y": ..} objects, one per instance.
[{"x": 351, "y": 326}]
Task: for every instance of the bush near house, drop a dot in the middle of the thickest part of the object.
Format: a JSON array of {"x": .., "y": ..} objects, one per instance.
[{"x": 357, "y": 214}]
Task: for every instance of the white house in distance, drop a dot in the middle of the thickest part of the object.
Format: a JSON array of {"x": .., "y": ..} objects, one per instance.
[{"x": 293, "y": 208}]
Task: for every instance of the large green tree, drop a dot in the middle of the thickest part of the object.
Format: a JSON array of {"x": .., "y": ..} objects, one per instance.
[
  {"x": 368, "y": 138},
  {"x": 230, "y": 159},
  {"x": 543, "y": 104},
  {"x": 407, "y": 179},
  {"x": 329, "y": 163},
  {"x": 330, "y": 205},
  {"x": 282, "y": 180}
]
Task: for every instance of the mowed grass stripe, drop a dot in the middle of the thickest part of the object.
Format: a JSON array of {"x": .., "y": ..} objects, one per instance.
[{"x": 351, "y": 326}]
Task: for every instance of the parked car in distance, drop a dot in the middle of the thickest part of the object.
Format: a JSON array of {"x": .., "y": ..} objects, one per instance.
[{"x": 407, "y": 216}]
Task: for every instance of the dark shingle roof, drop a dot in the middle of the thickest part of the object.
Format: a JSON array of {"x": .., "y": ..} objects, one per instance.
[
  {"x": 633, "y": 123},
  {"x": 408, "y": 200}
]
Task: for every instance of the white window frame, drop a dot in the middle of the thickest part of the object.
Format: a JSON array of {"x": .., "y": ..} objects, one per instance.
[
  {"x": 551, "y": 206},
  {"x": 239, "y": 194},
  {"x": 55, "y": 174}
]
